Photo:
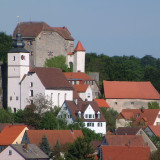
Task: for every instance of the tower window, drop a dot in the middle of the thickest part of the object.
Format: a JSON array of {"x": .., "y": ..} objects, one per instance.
[
  {"x": 31, "y": 93},
  {"x": 31, "y": 84},
  {"x": 10, "y": 98},
  {"x": 17, "y": 98},
  {"x": 14, "y": 58}
]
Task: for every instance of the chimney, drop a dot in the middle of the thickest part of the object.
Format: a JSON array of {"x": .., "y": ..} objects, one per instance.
[
  {"x": 76, "y": 101},
  {"x": 26, "y": 146}
]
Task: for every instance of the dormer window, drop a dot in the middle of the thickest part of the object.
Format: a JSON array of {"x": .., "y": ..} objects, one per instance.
[{"x": 98, "y": 115}]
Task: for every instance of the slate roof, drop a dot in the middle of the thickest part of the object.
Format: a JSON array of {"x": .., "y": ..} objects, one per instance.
[
  {"x": 10, "y": 133},
  {"x": 82, "y": 106},
  {"x": 148, "y": 115},
  {"x": 125, "y": 153},
  {"x": 52, "y": 78},
  {"x": 127, "y": 130},
  {"x": 130, "y": 90},
  {"x": 81, "y": 87},
  {"x": 29, "y": 152},
  {"x": 125, "y": 140},
  {"x": 78, "y": 76},
  {"x": 155, "y": 130},
  {"x": 79, "y": 47},
  {"x": 102, "y": 103},
  {"x": 63, "y": 136},
  {"x": 32, "y": 29}
]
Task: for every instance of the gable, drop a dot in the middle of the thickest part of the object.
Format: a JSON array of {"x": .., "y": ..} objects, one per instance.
[{"x": 89, "y": 110}]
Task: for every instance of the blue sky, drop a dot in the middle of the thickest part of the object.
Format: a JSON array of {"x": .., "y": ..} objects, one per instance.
[{"x": 111, "y": 27}]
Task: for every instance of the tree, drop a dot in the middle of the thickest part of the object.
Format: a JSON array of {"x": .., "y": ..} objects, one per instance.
[
  {"x": 45, "y": 146},
  {"x": 156, "y": 141},
  {"x": 80, "y": 150},
  {"x": 6, "y": 116},
  {"x": 109, "y": 115},
  {"x": 57, "y": 62},
  {"x": 155, "y": 155},
  {"x": 5, "y": 46},
  {"x": 153, "y": 105}
]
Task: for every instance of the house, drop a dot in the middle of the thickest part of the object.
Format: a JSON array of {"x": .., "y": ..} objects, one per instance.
[
  {"x": 53, "y": 136},
  {"x": 11, "y": 134},
  {"x": 23, "y": 152},
  {"x": 129, "y": 95},
  {"x": 153, "y": 130},
  {"x": 50, "y": 82},
  {"x": 125, "y": 153},
  {"x": 44, "y": 42},
  {"x": 138, "y": 117},
  {"x": 84, "y": 91},
  {"x": 76, "y": 78},
  {"x": 102, "y": 103},
  {"x": 136, "y": 131},
  {"x": 124, "y": 140},
  {"x": 88, "y": 111}
]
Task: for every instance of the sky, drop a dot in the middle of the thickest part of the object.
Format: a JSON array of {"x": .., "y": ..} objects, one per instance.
[{"x": 111, "y": 27}]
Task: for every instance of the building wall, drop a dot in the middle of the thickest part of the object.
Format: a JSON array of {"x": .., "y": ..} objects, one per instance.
[
  {"x": 70, "y": 59},
  {"x": 122, "y": 123},
  {"x": 157, "y": 121},
  {"x": 4, "y": 155},
  {"x": 119, "y": 104}
]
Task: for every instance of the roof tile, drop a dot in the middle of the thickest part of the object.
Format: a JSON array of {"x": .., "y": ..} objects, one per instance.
[{"x": 79, "y": 47}]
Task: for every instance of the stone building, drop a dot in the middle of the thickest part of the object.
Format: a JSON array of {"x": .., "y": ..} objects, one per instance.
[{"x": 44, "y": 41}]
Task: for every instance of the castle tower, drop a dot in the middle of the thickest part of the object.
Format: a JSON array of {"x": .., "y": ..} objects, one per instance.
[
  {"x": 79, "y": 58},
  {"x": 18, "y": 66}
]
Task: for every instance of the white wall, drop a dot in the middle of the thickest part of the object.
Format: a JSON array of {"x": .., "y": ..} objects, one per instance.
[
  {"x": 157, "y": 120},
  {"x": 70, "y": 58}
]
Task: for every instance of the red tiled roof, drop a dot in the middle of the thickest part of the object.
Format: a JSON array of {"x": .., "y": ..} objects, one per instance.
[
  {"x": 125, "y": 153},
  {"x": 78, "y": 76},
  {"x": 52, "y": 78},
  {"x": 127, "y": 130},
  {"x": 155, "y": 130},
  {"x": 81, "y": 87},
  {"x": 125, "y": 140},
  {"x": 32, "y": 29},
  {"x": 79, "y": 47},
  {"x": 129, "y": 90},
  {"x": 70, "y": 53},
  {"x": 102, "y": 103},
  {"x": 10, "y": 133},
  {"x": 149, "y": 115},
  {"x": 63, "y": 136}
]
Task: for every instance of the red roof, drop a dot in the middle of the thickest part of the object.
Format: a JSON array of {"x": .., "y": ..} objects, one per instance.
[
  {"x": 78, "y": 76},
  {"x": 70, "y": 53},
  {"x": 63, "y": 136},
  {"x": 81, "y": 87},
  {"x": 125, "y": 153},
  {"x": 102, "y": 103},
  {"x": 10, "y": 133},
  {"x": 155, "y": 130},
  {"x": 148, "y": 115},
  {"x": 79, "y": 47},
  {"x": 125, "y": 140},
  {"x": 130, "y": 90}
]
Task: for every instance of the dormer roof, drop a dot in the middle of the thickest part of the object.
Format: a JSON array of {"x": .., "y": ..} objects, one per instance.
[{"x": 79, "y": 47}]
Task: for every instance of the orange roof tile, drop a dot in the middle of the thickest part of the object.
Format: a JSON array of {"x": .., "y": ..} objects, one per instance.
[
  {"x": 102, "y": 103},
  {"x": 125, "y": 153},
  {"x": 63, "y": 136},
  {"x": 81, "y": 87},
  {"x": 78, "y": 76},
  {"x": 79, "y": 47},
  {"x": 155, "y": 130},
  {"x": 70, "y": 53},
  {"x": 130, "y": 90},
  {"x": 10, "y": 133}
]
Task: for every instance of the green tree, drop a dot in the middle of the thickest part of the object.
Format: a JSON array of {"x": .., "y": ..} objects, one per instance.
[
  {"x": 156, "y": 141},
  {"x": 155, "y": 155},
  {"x": 5, "y": 46},
  {"x": 80, "y": 150},
  {"x": 57, "y": 62},
  {"x": 110, "y": 116},
  {"x": 45, "y": 146},
  {"x": 153, "y": 105},
  {"x": 6, "y": 116}
]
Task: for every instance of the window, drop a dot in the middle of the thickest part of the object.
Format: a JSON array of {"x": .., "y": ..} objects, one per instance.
[
  {"x": 31, "y": 101},
  {"x": 64, "y": 108},
  {"x": 132, "y": 102},
  {"x": 10, "y": 152},
  {"x": 158, "y": 115},
  {"x": 31, "y": 93},
  {"x": 31, "y": 53},
  {"x": 50, "y": 53},
  {"x": 14, "y": 58},
  {"x": 138, "y": 114},
  {"x": 17, "y": 98},
  {"x": 31, "y": 84},
  {"x": 10, "y": 98},
  {"x": 98, "y": 115},
  {"x": 99, "y": 124},
  {"x": 90, "y": 124},
  {"x": 14, "y": 110},
  {"x": 74, "y": 82},
  {"x": 115, "y": 103},
  {"x": 158, "y": 123},
  {"x": 88, "y": 95},
  {"x": 29, "y": 43},
  {"x": 86, "y": 115},
  {"x": 90, "y": 115}
]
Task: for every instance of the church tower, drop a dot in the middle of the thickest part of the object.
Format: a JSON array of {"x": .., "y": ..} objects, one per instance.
[
  {"x": 79, "y": 58},
  {"x": 18, "y": 66}
]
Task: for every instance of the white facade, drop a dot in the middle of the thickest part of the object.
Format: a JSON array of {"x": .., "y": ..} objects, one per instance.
[
  {"x": 79, "y": 61},
  {"x": 18, "y": 65},
  {"x": 70, "y": 59}
]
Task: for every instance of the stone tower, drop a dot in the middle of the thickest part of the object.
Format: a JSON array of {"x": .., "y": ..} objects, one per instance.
[
  {"x": 79, "y": 58},
  {"x": 18, "y": 66}
]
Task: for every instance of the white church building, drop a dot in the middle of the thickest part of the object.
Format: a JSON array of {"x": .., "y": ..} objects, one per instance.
[{"x": 24, "y": 82}]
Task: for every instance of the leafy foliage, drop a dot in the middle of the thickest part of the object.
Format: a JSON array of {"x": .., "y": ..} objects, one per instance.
[
  {"x": 153, "y": 105},
  {"x": 80, "y": 150},
  {"x": 156, "y": 141},
  {"x": 155, "y": 155},
  {"x": 6, "y": 116}
]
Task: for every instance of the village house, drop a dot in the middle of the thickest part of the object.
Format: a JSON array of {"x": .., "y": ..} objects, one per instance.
[
  {"x": 138, "y": 117},
  {"x": 11, "y": 134},
  {"x": 88, "y": 111},
  {"x": 44, "y": 42},
  {"x": 136, "y": 131},
  {"x": 152, "y": 130},
  {"x": 23, "y": 152},
  {"x": 129, "y": 95}
]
